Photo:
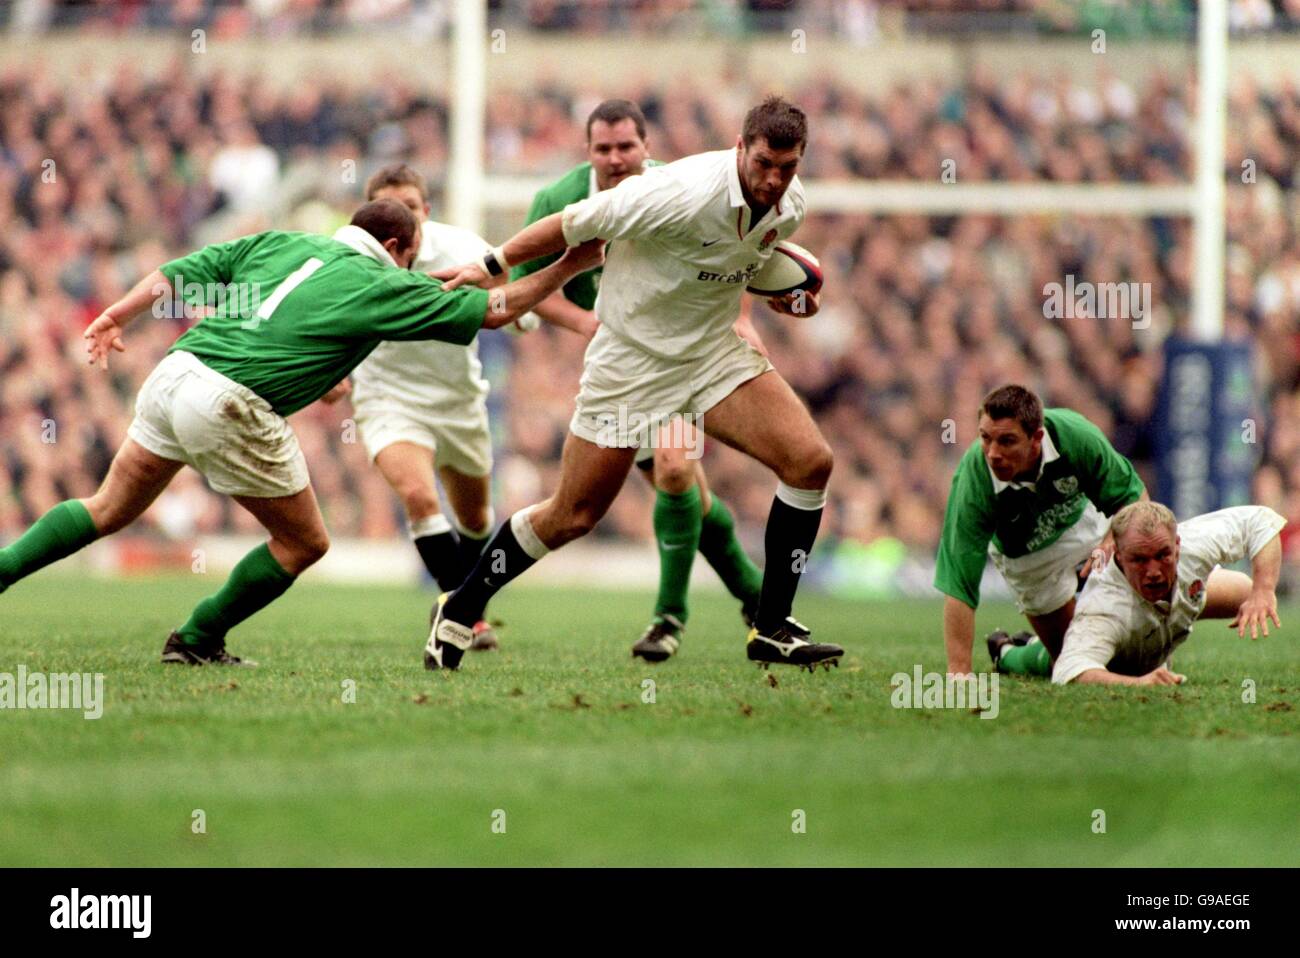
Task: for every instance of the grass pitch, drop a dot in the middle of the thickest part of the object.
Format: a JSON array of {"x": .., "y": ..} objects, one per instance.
[{"x": 552, "y": 740}]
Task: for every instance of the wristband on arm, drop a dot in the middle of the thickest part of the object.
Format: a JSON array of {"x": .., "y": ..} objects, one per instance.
[{"x": 494, "y": 261}]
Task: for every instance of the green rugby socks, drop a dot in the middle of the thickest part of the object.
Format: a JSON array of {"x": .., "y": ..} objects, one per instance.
[
  {"x": 722, "y": 550},
  {"x": 1030, "y": 659},
  {"x": 59, "y": 533},
  {"x": 255, "y": 582},
  {"x": 678, "y": 521}
]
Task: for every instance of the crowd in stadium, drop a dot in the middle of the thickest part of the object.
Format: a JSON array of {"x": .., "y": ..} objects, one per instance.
[
  {"x": 921, "y": 314},
  {"x": 859, "y": 19}
]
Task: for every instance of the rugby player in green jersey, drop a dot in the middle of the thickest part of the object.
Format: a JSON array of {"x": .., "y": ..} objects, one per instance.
[
  {"x": 688, "y": 515},
  {"x": 294, "y": 314},
  {"x": 1032, "y": 495}
]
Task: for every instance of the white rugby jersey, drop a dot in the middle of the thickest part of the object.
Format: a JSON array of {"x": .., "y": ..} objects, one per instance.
[
  {"x": 427, "y": 372},
  {"x": 683, "y": 251},
  {"x": 1115, "y": 628}
]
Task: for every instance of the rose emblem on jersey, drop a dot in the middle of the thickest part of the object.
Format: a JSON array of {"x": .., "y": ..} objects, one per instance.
[
  {"x": 1195, "y": 589},
  {"x": 768, "y": 239},
  {"x": 1067, "y": 486}
]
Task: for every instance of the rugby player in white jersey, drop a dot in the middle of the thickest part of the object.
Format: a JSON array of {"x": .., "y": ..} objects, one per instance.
[
  {"x": 1165, "y": 576},
  {"x": 688, "y": 515},
  {"x": 688, "y": 237},
  {"x": 421, "y": 408}
]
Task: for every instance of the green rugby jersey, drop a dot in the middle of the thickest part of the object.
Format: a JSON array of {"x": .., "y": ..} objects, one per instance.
[
  {"x": 572, "y": 187},
  {"x": 296, "y": 312},
  {"x": 1078, "y": 464}
]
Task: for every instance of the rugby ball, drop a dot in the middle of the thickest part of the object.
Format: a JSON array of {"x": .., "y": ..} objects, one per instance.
[{"x": 789, "y": 268}]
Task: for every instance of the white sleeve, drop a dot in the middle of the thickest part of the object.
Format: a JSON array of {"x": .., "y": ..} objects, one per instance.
[
  {"x": 640, "y": 205},
  {"x": 1090, "y": 643},
  {"x": 1237, "y": 533}
]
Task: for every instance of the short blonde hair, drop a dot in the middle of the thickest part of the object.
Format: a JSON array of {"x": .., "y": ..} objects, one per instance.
[{"x": 1145, "y": 516}]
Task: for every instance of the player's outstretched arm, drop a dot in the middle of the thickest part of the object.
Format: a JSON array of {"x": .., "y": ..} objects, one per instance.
[
  {"x": 507, "y": 303},
  {"x": 105, "y": 333},
  {"x": 535, "y": 240},
  {"x": 958, "y": 635}
]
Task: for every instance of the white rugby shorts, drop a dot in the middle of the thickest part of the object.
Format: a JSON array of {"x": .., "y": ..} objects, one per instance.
[
  {"x": 456, "y": 430},
  {"x": 626, "y": 394},
  {"x": 193, "y": 414}
]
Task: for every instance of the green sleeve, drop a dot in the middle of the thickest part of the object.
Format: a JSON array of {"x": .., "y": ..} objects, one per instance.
[
  {"x": 212, "y": 264},
  {"x": 1106, "y": 477},
  {"x": 408, "y": 306},
  {"x": 967, "y": 530},
  {"x": 541, "y": 208}
]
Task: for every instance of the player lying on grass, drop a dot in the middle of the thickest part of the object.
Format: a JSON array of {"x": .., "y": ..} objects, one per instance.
[
  {"x": 218, "y": 401},
  {"x": 688, "y": 515},
  {"x": 1029, "y": 494},
  {"x": 686, "y": 239},
  {"x": 1141, "y": 606},
  {"x": 421, "y": 409}
]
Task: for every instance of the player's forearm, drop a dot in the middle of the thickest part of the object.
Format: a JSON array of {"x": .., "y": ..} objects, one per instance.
[
  {"x": 1266, "y": 567},
  {"x": 558, "y": 311},
  {"x": 1105, "y": 677},
  {"x": 958, "y": 634},
  {"x": 538, "y": 239},
  {"x": 507, "y": 303},
  {"x": 141, "y": 296}
]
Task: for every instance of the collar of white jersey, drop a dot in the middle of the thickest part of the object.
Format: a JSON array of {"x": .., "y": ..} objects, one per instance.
[
  {"x": 364, "y": 243},
  {"x": 1049, "y": 455},
  {"x": 733, "y": 182}
]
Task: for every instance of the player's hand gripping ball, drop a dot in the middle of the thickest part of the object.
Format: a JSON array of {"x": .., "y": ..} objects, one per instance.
[{"x": 790, "y": 271}]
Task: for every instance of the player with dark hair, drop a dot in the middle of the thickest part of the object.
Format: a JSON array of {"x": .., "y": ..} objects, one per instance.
[
  {"x": 315, "y": 308},
  {"x": 686, "y": 239},
  {"x": 688, "y": 515},
  {"x": 1031, "y": 494}
]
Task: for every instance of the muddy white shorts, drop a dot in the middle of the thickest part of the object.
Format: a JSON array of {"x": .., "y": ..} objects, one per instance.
[
  {"x": 627, "y": 394},
  {"x": 190, "y": 413}
]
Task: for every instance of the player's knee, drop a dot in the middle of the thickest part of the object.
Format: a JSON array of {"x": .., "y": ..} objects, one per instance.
[
  {"x": 311, "y": 548},
  {"x": 812, "y": 469},
  {"x": 674, "y": 474}
]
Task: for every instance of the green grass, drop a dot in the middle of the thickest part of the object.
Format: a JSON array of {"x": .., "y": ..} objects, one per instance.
[{"x": 554, "y": 732}]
